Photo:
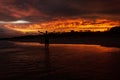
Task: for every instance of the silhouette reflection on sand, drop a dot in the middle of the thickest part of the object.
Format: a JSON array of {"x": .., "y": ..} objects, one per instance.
[{"x": 36, "y": 61}]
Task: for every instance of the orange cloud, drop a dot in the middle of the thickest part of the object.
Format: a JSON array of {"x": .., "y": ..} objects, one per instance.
[{"x": 65, "y": 25}]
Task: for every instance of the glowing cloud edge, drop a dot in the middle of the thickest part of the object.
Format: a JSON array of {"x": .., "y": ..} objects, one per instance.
[{"x": 15, "y": 22}]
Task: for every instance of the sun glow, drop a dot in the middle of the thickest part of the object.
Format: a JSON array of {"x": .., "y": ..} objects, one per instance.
[
  {"x": 64, "y": 25},
  {"x": 14, "y": 22}
]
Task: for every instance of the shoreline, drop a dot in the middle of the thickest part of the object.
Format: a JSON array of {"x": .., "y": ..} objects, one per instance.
[{"x": 103, "y": 41}]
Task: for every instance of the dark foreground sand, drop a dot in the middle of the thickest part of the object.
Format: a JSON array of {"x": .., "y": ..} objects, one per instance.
[{"x": 32, "y": 61}]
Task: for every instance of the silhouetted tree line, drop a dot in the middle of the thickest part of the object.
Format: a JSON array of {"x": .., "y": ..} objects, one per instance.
[
  {"x": 112, "y": 32},
  {"x": 115, "y": 29}
]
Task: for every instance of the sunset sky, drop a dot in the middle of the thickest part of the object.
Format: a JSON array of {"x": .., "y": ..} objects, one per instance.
[{"x": 20, "y": 17}]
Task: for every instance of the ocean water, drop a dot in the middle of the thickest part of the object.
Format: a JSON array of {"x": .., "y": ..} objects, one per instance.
[{"x": 34, "y": 61}]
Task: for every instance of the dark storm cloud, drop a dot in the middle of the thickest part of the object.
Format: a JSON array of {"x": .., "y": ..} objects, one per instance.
[
  {"x": 37, "y": 10},
  {"x": 6, "y": 32},
  {"x": 13, "y": 10}
]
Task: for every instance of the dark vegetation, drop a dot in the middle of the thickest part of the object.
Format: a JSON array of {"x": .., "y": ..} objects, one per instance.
[
  {"x": 115, "y": 29},
  {"x": 108, "y": 38}
]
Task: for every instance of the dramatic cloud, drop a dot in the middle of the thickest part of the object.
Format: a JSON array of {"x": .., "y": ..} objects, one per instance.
[
  {"x": 15, "y": 22},
  {"x": 7, "y": 32},
  {"x": 38, "y": 10},
  {"x": 14, "y": 10},
  {"x": 56, "y": 14}
]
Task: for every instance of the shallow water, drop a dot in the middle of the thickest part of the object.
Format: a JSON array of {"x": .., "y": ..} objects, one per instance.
[{"x": 34, "y": 61}]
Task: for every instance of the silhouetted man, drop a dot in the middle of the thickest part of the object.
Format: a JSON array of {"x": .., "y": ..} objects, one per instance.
[{"x": 46, "y": 40}]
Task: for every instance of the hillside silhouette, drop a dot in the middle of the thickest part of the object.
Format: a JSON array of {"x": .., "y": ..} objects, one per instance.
[{"x": 115, "y": 29}]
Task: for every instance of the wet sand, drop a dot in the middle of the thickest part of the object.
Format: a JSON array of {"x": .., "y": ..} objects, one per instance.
[{"x": 32, "y": 61}]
